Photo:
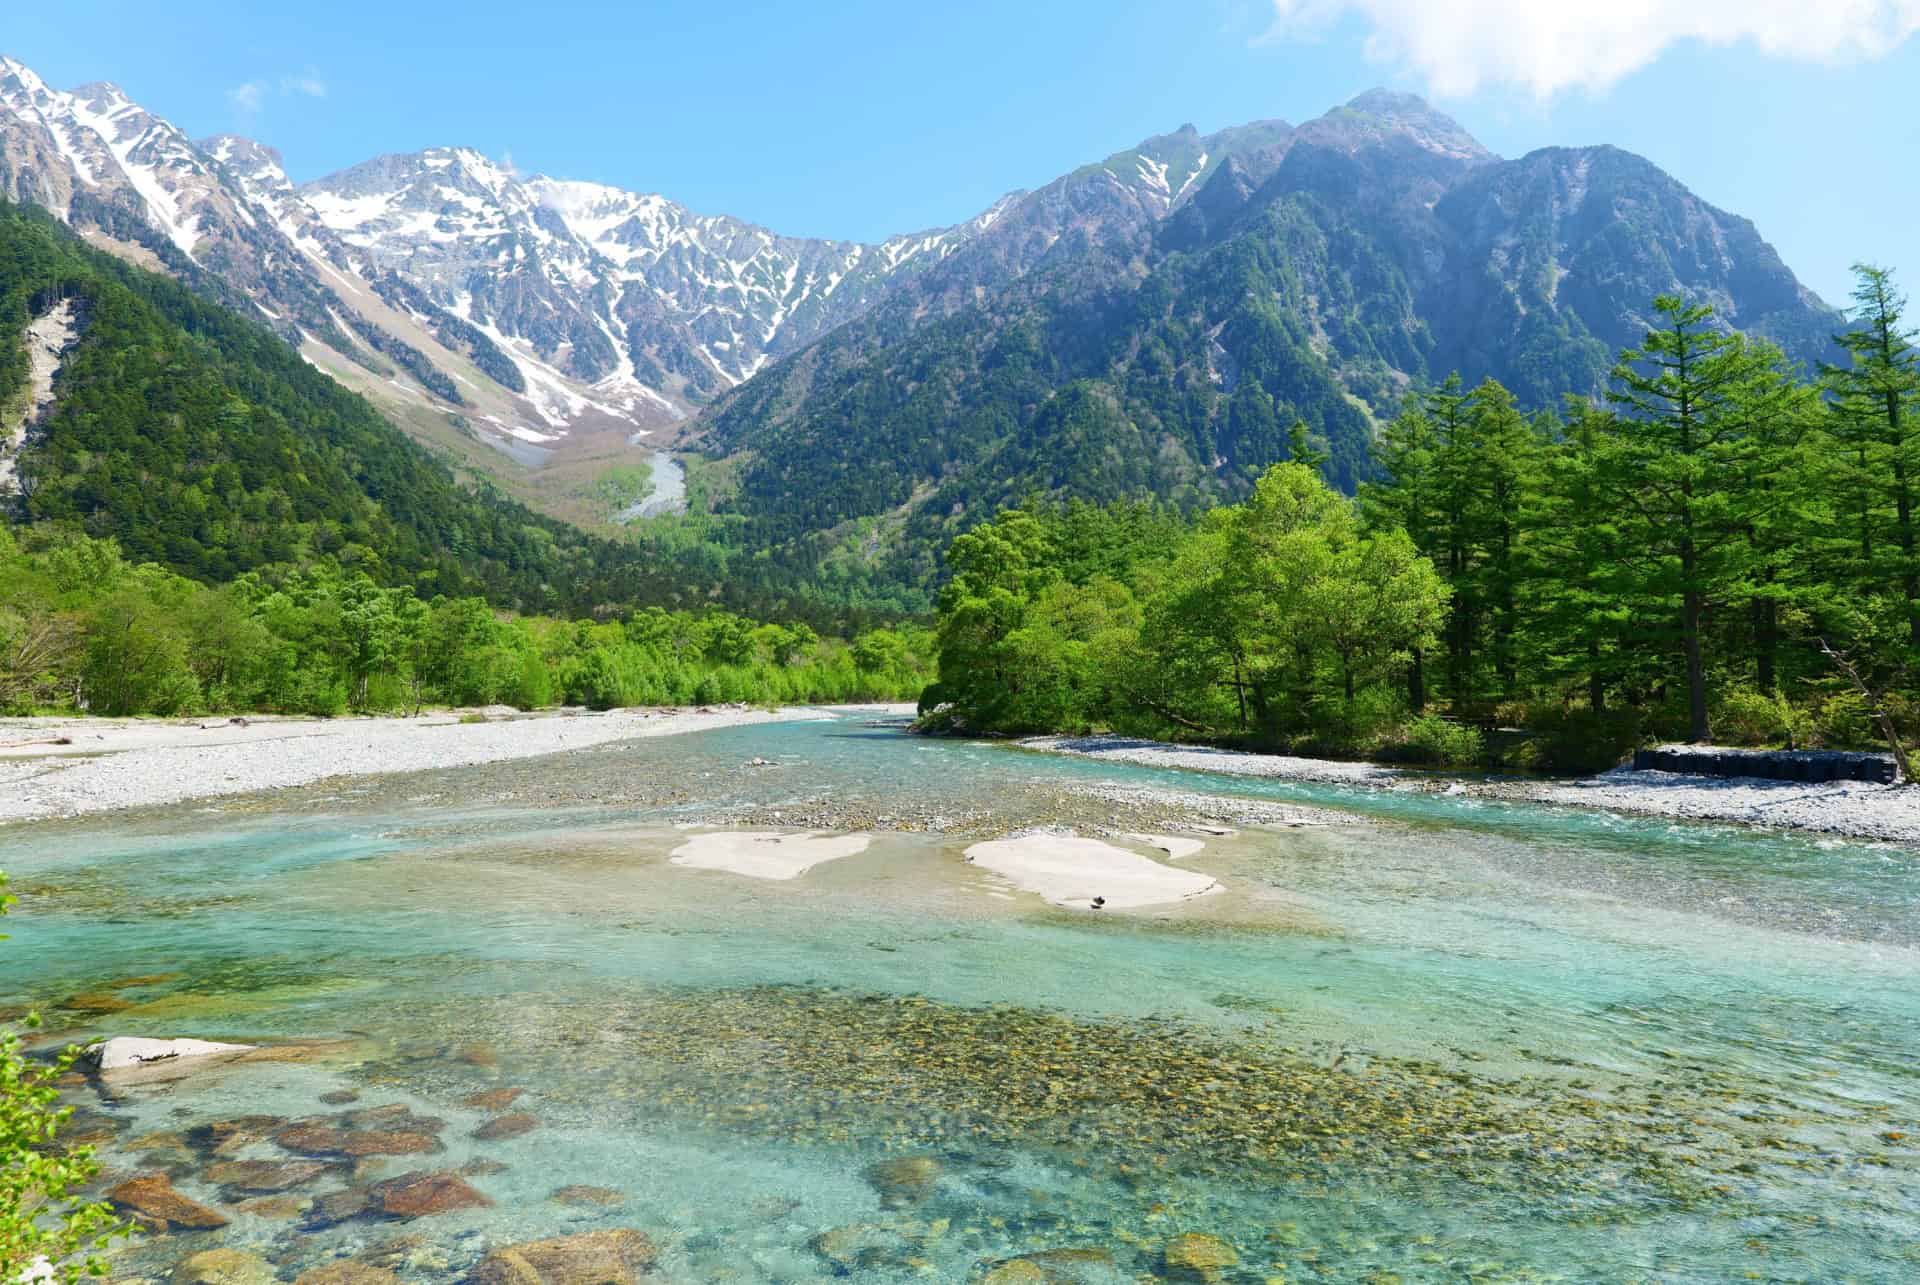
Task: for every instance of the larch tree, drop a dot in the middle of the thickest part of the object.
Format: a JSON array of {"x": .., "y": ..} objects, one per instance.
[{"x": 1698, "y": 430}]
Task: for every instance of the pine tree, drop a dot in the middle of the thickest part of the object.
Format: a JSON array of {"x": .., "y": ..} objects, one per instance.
[
  {"x": 1876, "y": 421},
  {"x": 1692, "y": 458}
]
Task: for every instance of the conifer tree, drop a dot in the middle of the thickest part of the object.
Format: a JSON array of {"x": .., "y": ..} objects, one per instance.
[
  {"x": 1691, "y": 458},
  {"x": 1875, "y": 420}
]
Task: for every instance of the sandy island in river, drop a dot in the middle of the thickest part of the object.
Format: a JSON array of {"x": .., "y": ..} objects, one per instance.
[
  {"x": 1068, "y": 870},
  {"x": 760, "y": 854}
]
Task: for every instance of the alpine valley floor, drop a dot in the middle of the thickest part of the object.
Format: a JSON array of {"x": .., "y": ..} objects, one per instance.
[{"x": 1402, "y": 1035}]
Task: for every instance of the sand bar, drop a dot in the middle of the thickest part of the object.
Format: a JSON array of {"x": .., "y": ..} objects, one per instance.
[
  {"x": 761, "y": 854},
  {"x": 1068, "y": 870}
]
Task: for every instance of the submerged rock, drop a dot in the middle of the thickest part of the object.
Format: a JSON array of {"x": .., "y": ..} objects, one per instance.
[
  {"x": 615, "y": 1257},
  {"x": 492, "y": 1099},
  {"x": 511, "y": 1125},
  {"x": 862, "y": 1247},
  {"x": 312, "y": 1138},
  {"x": 223, "y": 1267},
  {"x": 337, "y": 1207},
  {"x": 347, "y": 1273},
  {"x": 226, "y": 1137},
  {"x": 1018, "y": 1272},
  {"x": 264, "y": 1177},
  {"x": 340, "y": 1097},
  {"x": 907, "y": 1180},
  {"x": 1049, "y": 1267},
  {"x": 422, "y": 1194},
  {"x": 1196, "y": 1256},
  {"x": 152, "y": 1198},
  {"x": 276, "y": 1208},
  {"x": 605, "y": 1197}
]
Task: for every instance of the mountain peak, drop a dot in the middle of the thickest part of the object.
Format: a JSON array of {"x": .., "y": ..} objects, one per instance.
[{"x": 1379, "y": 115}]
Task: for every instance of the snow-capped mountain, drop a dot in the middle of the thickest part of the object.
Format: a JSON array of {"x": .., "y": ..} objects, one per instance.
[
  {"x": 528, "y": 312},
  {"x": 441, "y": 280}
]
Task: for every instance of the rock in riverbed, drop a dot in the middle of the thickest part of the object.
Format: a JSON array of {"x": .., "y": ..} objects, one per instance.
[
  {"x": 1196, "y": 1256},
  {"x": 510, "y": 1125},
  {"x": 421, "y": 1194},
  {"x": 152, "y": 1198},
  {"x": 126, "y": 1053},
  {"x": 264, "y": 1177},
  {"x": 347, "y": 1273},
  {"x": 223, "y": 1267},
  {"x": 615, "y": 1257},
  {"x": 907, "y": 1180}
]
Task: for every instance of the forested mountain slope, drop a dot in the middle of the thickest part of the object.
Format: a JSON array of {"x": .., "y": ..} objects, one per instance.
[
  {"x": 198, "y": 440},
  {"x": 1317, "y": 277}
]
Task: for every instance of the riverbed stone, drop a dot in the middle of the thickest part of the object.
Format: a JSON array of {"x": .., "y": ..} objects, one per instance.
[
  {"x": 223, "y": 1267},
  {"x": 312, "y": 1138},
  {"x": 336, "y": 1207},
  {"x": 905, "y": 1180},
  {"x": 510, "y": 1125},
  {"x": 423, "y": 1194},
  {"x": 274, "y": 1208},
  {"x": 226, "y": 1137},
  {"x": 1196, "y": 1256},
  {"x": 264, "y": 1177},
  {"x": 153, "y": 1200},
  {"x": 347, "y": 1272},
  {"x": 862, "y": 1246},
  {"x": 340, "y": 1097},
  {"x": 582, "y": 1196},
  {"x": 125, "y": 1053},
  {"x": 614, "y": 1257},
  {"x": 492, "y": 1099}
]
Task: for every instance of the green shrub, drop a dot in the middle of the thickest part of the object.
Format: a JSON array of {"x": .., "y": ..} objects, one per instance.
[
  {"x": 1436, "y": 742},
  {"x": 1844, "y": 722},
  {"x": 1750, "y": 717},
  {"x": 1576, "y": 741}
]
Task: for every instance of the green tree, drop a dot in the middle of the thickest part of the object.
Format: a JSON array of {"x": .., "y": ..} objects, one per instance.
[
  {"x": 1703, "y": 419},
  {"x": 1875, "y": 422},
  {"x": 46, "y": 1225}
]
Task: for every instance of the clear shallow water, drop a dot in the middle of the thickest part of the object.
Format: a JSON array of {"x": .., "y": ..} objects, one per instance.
[{"x": 1470, "y": 1041}]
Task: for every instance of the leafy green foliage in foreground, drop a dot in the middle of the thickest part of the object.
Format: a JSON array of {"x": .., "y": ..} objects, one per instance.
[
  {"x": 82, "y": 627},
  {"x": 1720, "y": 549},
  {"x": 44, "y": 1225}
]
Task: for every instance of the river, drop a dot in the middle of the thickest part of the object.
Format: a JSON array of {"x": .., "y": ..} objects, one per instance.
[{"x": 1450, "y": 1040}]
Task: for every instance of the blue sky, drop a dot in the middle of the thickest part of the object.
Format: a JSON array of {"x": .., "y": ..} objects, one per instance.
[{"x": 861, "y": 119}]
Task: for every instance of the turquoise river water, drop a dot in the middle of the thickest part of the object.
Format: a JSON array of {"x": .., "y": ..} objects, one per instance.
[{"x": 1456, "y": 1040}]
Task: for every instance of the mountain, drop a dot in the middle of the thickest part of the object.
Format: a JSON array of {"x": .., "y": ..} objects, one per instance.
[
  {"x": 1319, "y": 274},
  {"x": 1150, "y": 324},
  {"x": 540, "y": 318}
]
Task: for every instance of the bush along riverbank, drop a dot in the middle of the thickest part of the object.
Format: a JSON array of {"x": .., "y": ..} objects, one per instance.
[
  {"x": 83, "y": 629},
  {"x": 1723, "y": 551}
]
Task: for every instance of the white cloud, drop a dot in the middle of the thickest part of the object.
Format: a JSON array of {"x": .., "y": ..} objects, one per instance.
[
  {"x": 248, "y": 98},
  {"x": 1546, "y": 46}
]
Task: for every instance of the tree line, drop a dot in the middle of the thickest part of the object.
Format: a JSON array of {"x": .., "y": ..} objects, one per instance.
[
  {"x": 84, "y": 628},
  {"x": 1721, "y": 546}
]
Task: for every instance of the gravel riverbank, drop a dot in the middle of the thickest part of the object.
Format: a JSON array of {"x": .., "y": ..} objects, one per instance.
[
  {"x": 1855, "y": 809},
  {"x": 107, "y": 765}
]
